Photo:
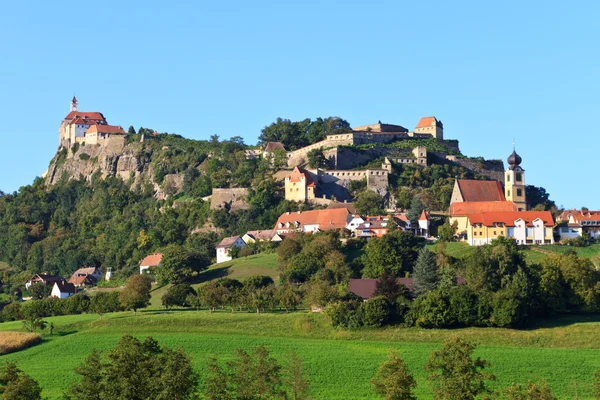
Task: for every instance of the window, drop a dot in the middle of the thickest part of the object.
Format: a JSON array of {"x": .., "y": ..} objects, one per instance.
[
  {"x": 507, "y": 178},
  {"x": 519, "y": 177},
  {"x": 495, "y": 233},
  {"x": 508, "y": 193},
  {"x": 519, "y": 192}
]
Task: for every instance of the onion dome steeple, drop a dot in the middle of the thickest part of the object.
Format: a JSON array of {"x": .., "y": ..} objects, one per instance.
[{"x": 514, "y": 160}]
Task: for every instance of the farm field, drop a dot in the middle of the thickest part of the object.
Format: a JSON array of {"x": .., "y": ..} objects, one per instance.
[{"x": 340, "y": 362}]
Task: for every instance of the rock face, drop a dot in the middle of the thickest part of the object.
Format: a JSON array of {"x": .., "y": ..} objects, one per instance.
[{"x": 112, "y": 158}]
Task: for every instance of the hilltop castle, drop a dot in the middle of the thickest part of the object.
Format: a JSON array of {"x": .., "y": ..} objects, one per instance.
[{"x": 85, "y": 127}]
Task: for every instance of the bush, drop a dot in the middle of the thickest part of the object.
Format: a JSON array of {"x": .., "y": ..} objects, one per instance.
[
  {"x": 12, "y": 312},
  {"x": 430, "y": 311},
  {"x": 177, "y": 295},
  {"x": 84, "y": 156},
  {"x": 376, "y": 312},
  {"x": 344, "y": 313}
]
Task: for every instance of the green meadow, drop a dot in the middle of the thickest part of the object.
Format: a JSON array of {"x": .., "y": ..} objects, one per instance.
[{"x": 340, "y": 362}]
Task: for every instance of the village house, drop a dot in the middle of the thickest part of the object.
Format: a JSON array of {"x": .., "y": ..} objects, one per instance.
[
  {"x": 151, "y": 261},
  {"x": 269, "y": 235},
  {"x": 459, "y": 211},
  {"x": 86, "y": 277},
  {"x": 45, "y": 279},
  {"x": 576, "y": 222},
  {"x": 224, "y": 247},
  {"x": 424, "y": 224},
  {"x": 526, "y": 227},
  {"x": 97, "y": 133},
  {"x": 62, "y": 290},
  {"x": 313, "y": 220}
]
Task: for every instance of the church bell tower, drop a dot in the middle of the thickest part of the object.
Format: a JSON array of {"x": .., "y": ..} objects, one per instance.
[
  {"x": 74, "y": 104},
  {"x": 514, "y": 185}
]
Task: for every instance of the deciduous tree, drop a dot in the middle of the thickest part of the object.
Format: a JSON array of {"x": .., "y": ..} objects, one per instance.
[
  {"x": 393, "y": 380},
  {"x": 136, "y": 293}
]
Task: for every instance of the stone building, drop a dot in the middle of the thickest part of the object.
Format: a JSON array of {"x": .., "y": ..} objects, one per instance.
[
  {"x": 76, "y": 123},
  {"x": 299, "y": 185},
  {"x": 514, "y": 187}
]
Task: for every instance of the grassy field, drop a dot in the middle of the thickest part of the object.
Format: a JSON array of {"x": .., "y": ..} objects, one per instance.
[
  {"x": 15, "y": 341},
  {"x": 340, "y": 362},
  {"x": 239, "y": 268}
]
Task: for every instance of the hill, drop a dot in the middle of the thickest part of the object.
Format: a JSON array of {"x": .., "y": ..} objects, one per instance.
[{"x": 565, "y": 354}]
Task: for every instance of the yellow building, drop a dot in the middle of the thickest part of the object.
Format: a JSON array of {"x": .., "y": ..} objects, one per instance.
[
  {"x": 299, "y": 185},
  {"x": 514, "y": 185},
  {"x": 526, "y": 227}
]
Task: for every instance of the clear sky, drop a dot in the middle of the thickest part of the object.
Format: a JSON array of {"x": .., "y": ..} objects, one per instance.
[{"x": 491, "y": 71}]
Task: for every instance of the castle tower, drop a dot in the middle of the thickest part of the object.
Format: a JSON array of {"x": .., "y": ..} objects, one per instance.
[
  {"x": 514, "y": 187},
  {"x": 74, "y": 104}
]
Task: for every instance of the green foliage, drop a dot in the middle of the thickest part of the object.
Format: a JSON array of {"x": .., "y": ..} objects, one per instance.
[
  {"x": 17, "y": 385},
  {"x": 298, "y": 134},
  {"x": 178, "y": 295},
  {"x": 425, "y": 273},
  {"x": 446, "y": 232},
  {"x": 84, "y": 156},
  {"x": 376, "y": 312},
  {"x": 136, "y": 293},
  {"x": 316, "y": 159},
  {"x": 180, "y": 263},
  {"x": 455, "y": 374},
  {"x": 369, "y": 203},
  {"x": 393, "y": 380},
  {"x": 104, "y": 302},
  {"x": 135, "y": 370},
  {"x": 39, "y": 290},
  {"x": 533, "y": 391},
  {"x": 255, "y": 375},
  {"x": 394, "y": 253}
]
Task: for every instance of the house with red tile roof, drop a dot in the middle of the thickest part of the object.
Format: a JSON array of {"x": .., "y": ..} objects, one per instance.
[
  {"x": 458, "y": 211},
  {"x": 576, "y": 222},
  {"x": 151, "y": 261},
  {"x": 86, "y": 277},
  {"x": 225, "y": 245},
  {"x": 97, "y": 133},
  {"x": 299, "y": 185},
  {"x": 430, "y": 126},
  {"x": 313, "y": 220},
  {"x": 470, "y": 190},
  {"x": 526, "y": 227},
  {"x": 267, "y": 235}
]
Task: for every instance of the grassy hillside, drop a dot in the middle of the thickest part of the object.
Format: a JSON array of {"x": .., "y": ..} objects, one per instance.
[
  {"x": 239, "y": 268},
  {"x": 533, "y": 254},
  {"x": 564, "y": 355}
]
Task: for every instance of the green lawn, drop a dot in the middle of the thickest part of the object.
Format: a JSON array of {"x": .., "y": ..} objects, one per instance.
[{"x": 340, "y": 362}]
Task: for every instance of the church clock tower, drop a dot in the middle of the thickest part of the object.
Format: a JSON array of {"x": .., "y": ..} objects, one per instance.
[
  {"x": 74, "y": 104},
  {"x": 514, "y": 185}
]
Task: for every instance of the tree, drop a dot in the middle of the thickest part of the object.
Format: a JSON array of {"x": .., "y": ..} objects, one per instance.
[
  {"x": 288, "y": 296},
  {"x": 179, "y": 264},
  {"x": 295, "y": 378},
  {"x": 425, "y": 273},
  {"x": 415, "y": 210},
  {"x": 375, "y": 312},
  {"x": 177, "y": 295},
  {"x": 136, "y": 293},
  {"x": 454, "y": 373},
  {"x": 597, "y": 385},
  {"x": 316, "y": 159},
  {"x": 446, "y": 232},
  {"x": 135, "y": 370},
  {"x": 17, "y": 385},
  {"x": 395, "y": 253},
  {"x": 131, "y": 130},
  {"x": 387, "y": 286},
  {"x": 393, "y": 380},
  {"x": 104, "y": 302},
  {"x": 369, "y": 203},
  {"x": 249, "y": 376},
  {"x": 39, "y": 291},
  {"x": 533, "y": 391}
]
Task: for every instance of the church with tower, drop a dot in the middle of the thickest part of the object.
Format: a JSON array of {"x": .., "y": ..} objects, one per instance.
[
  {"x": 85, "y": 127},
  {"x": 486, "y": 210}
]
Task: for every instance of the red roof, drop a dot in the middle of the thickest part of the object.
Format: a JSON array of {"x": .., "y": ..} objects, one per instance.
[
  {"x": 476, "y": 207},
  {"x": 152, "y": 260},
  {"x": 262, "y": 235},
  {"x": 94, "y": 115},
  {"x": 105, "y": 129},
  {"x": 83, "y": 279},
  {"x": 298, "y": 174},
  {"x": 424, "y": 216},
  {"x": 508, "y": 218},
  {"x": 336, "y": 218},
  {"x": 426, "y": 122},
  {"x": 579, "y": 215},
  {"x": 474, "y": 190}
]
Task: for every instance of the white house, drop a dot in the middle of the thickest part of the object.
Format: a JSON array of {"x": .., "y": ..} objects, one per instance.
[
  {"x": 424, "y": 224},
  {"x": 62, "y": 290},
  {"x": 225, "y": 246},
  {"x": 354, "y": 223},
  {"x": 152, "y": 260}
]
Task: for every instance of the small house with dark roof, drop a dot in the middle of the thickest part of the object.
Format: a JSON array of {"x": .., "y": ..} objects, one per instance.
[
  {"x": 45, "y": 279},
  {"x": 86, "y": 277},
  {"x": 224, "y": 247},
  {"x": 62, "y": 290},
  {"x": 267, "y": 235}
]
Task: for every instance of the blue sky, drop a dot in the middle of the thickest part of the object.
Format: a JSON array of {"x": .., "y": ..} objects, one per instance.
[{"x": 491, "y": 71}]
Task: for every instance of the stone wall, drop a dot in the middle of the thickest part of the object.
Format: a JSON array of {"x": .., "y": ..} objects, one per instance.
[{"x": 234, "y": 198}]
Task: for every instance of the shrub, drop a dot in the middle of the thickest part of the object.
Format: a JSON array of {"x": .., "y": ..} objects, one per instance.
[
  {"x": 344, "y": 313},
  {"x": 12, "y": 312},
  {"x": 177, "y": 295},
  {"x": 376, "y": 312},
  {"x": 84, "y": 156}
]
